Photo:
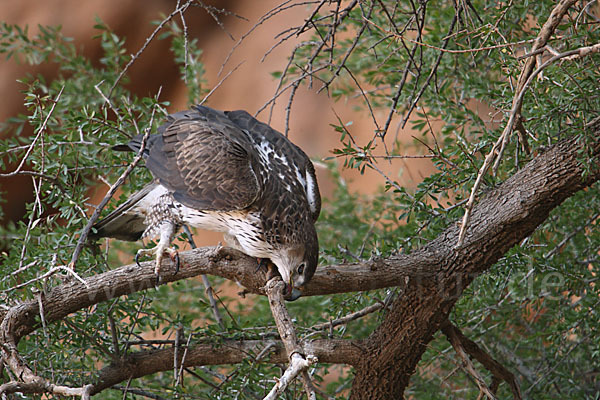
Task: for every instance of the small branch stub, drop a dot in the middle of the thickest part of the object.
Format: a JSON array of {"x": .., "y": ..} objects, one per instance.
[{"x": 298, "y": 364}]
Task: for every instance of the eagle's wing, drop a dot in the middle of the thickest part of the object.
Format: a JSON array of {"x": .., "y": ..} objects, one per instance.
[
  {"x": 206, "y": 161},
  {"x": 126, "y": 222},
  {"x": 302, "y": 168}
]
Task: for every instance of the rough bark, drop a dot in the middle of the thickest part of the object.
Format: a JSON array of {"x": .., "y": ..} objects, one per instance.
[
  {"x": 503, "y": 217},
  {"x": 432, "y": 278},
  {"x": 140, "y": 364}
]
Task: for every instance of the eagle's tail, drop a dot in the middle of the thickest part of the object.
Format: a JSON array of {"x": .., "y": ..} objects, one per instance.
[
  {"x": 126, "y": 222},
  {"x": 136, "y": 143}
]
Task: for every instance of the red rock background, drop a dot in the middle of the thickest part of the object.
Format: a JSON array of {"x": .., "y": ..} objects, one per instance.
[{"x": 249, "y": 87}]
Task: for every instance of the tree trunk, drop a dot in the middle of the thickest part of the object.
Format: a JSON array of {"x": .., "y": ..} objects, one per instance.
[{"x": 503, "y": 217}]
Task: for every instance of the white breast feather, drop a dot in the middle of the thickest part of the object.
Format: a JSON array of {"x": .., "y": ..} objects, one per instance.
[
  {"x": 310, "y": 192},
  {"x": 150, "y": 199}
]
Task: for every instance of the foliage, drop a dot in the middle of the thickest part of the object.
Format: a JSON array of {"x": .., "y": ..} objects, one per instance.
[{"x": 535, "y": 310}]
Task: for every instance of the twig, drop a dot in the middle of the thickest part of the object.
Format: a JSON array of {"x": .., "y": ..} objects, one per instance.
[
  {"x": 185, "y": 43},
  {"x": 182, "y": 363},
  {"x": 51, "y": 272},
  {"x": 40, "y": 385},
  {"x": 220, "y": 83},
  {"x": 298, "y": 364},
  {"x": 271, "y": 13},
  {"x": 496, "y": 149},
  {"x": 107, "y": 101},
  {"x": 114, "y": 335},
  {"x": 351, "y": 48},
  {"x": 176, "y": 360},
  {"x": 367, "y": 157},
  {"x": 179, "y": 10},
  {"x": 309, "y": 71},
  {"x": 212, "y": 11},
  {"x": 366, "y": 99},
  {"x": 84, "y": 234},
  {"x": 468, "y": 366},
  {"x": 554, "y": 19},
  {"x": 452, "y": 51},
  {"x": 35, "y": 212},
  {"x": 350, "y": 317},
  {"x": 206, "y": 282},
  {"x": 464, "y": 346},
  {"x": 138, "y": 392},
  {"x": 90, "y": 338},
  {"x": 39, "y": 134},
  {"x": 431, "y": 74},
  {"x": 570, "y": 236},
  {"x": 288, "y": 109}
]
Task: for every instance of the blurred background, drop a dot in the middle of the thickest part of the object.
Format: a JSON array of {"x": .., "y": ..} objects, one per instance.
[{"x": 249, "y": 86}]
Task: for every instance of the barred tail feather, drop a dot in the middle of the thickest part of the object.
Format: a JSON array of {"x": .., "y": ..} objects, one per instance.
[{"x": 126, "y": 222}]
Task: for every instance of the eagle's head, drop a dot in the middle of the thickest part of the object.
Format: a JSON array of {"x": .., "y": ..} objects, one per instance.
[{"x": 297, "y": 265}]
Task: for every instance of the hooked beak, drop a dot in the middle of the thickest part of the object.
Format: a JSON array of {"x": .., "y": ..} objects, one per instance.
[
  {"x": 290, "y": 293},
  {"x": 294, "y": 294}
]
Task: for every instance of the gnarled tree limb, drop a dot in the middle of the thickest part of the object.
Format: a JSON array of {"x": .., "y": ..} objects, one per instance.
[
  {"x": 503, "y": 217},
  {"x": 433, "y": 277},
  {"x": 299, "y": 359},
  {"x": 138, "y": 364}
]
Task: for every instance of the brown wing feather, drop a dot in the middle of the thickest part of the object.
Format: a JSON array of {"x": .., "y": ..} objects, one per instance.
[
  {"x": 205, "y": 165},
  {"x": 294, "y": 153}
]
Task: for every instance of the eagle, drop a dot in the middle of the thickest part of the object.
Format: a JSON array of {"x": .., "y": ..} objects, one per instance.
[{"x": 224, "y": 171}]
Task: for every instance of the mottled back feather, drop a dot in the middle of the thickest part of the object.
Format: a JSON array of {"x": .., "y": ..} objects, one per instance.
[
  {"x": 204, "y": 163},
  {"x": 285, "y": 149}
]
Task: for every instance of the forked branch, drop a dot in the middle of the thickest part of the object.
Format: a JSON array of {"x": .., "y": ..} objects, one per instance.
[{"x": 466, "y": 348}]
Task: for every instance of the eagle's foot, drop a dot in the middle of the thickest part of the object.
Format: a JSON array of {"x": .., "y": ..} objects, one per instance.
[
  {"x": 174, "y": 255},
  {"x": 159, "y": 251},
  {"x": 272, "y": 270}
]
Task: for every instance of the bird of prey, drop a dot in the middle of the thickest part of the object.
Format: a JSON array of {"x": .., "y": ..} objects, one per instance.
[{"x": 226, "y": 172}]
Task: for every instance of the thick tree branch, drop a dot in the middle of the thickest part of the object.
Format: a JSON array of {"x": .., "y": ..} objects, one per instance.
[
  {"x": 221, "y": 261},
  {"x": 136, "y": 365},
  {"x": 433, "y": 277},
  {"x": 503, "y": 217}
]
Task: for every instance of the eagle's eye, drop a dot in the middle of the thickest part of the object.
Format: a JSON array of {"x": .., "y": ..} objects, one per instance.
[{"x": 301, "y": 269}]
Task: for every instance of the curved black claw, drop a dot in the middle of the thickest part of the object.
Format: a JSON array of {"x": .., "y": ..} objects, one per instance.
[
  {"x": 176, "y": 263},
  {"x": 157, "y": 282},
  {"x": 137, "y": 260},
  {"x": 263, "y": 263}
]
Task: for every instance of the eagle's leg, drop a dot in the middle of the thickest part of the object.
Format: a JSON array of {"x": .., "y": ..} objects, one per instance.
[{"x": 167, "y": 231}]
